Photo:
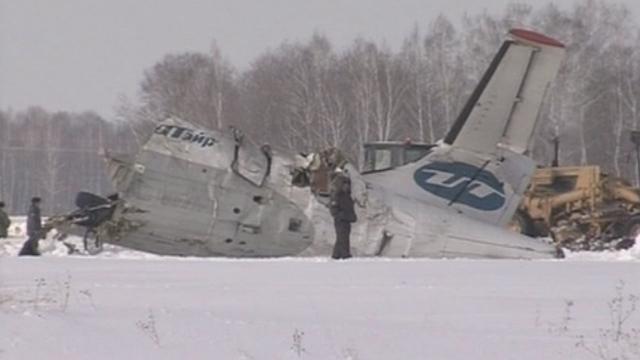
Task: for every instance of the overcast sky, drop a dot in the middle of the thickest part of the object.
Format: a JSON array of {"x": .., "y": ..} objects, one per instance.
[{"x": 81, "y": 55}]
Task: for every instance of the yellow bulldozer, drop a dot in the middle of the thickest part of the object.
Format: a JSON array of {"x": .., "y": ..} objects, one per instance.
[{"x": 581, "y": 208}]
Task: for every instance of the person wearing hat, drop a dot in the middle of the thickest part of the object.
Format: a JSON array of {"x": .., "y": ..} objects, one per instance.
[
  {"x": 343, "y": 212},
  {"x": 34, "y": 229},
  {"x": 5, "y": 222}
]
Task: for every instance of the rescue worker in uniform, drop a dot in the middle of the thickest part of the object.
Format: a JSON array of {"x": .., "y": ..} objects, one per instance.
[
  {"x": 5, "y": 222},
  {"x": 34, "y": 229},
  {"x": 343, "y": 212}
]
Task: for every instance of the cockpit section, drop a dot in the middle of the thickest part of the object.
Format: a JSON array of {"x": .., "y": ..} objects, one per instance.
[{"x": 250, "y": 162}]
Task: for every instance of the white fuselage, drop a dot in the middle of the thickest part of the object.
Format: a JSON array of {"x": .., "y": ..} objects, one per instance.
[
  {"x": 208, "y": 193},
  {"x": 195, "y": 203},
  {"x": 395, "y": 225}
]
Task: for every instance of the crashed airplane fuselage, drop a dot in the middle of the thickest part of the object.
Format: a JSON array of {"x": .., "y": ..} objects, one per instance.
[{"x": 207, "y": 193}]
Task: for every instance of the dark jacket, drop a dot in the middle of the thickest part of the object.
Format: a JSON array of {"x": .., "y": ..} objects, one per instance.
[
  {"x": 341, "y": 206},
  {"x": 34, "y": 222},
  {"x": 5, "y": 222}
]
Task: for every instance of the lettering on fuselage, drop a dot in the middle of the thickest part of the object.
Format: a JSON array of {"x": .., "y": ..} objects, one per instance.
[
  {"x": 462, "y": 183},
  {"x": 185, "y": 134}
]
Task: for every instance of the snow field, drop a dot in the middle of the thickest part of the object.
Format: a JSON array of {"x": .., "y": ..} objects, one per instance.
[{"x": 129, "y": 305}]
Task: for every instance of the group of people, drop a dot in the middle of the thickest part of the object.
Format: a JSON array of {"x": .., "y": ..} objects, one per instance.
[{"x": 34, "y": 227}]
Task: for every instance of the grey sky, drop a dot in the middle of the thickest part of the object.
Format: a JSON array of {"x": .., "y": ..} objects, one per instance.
[{"x": 81, "y": 54}]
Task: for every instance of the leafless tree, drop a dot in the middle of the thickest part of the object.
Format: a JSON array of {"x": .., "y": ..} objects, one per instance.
[{"x": 195, "y": 86}]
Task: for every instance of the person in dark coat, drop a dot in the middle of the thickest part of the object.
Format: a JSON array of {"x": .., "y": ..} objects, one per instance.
[
  {"x": 34, "y": 229},
  {"x": 343, "y": 212},
  {"x": 5, "y": 222}
]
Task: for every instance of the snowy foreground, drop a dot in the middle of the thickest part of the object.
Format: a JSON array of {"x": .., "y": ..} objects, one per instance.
[{"x": 127, "y": 305}]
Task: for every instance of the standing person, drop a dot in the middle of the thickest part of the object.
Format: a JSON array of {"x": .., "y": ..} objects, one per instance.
[
  {"x": 34, "y": 229},
  {"x": 5, "y": 222},
  {"x": 343, "y": 212}
]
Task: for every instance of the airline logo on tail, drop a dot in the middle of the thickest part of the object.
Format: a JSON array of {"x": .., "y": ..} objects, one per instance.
[{"x": 462, "y": 183}]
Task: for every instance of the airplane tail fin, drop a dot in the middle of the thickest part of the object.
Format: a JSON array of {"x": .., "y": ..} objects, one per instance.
[
  {"x": 502, "y": 111},
  {"x": 482, "y": 169}
]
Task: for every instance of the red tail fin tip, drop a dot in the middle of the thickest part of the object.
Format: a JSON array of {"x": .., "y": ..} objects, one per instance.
[{"x": 535, "y": 37}]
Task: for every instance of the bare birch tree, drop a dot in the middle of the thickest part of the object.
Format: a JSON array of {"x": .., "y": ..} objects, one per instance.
[{"x": 194, "y": 86}]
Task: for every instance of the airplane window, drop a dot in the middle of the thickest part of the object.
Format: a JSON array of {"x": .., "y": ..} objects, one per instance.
[
  {"x": 369, "y": 164},
  {"x": 412, "y": 155},
  {"x": 383, "y": 159},
  {"x": 295, "y": 224}
]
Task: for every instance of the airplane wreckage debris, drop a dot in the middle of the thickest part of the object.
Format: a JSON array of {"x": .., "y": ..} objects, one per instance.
[{"x": 194, "y": 192}]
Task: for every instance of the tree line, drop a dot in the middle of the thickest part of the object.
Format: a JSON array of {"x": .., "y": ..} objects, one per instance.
[
  {"x": 55, "y": 155},
  {"x": 307, "y": 95}
]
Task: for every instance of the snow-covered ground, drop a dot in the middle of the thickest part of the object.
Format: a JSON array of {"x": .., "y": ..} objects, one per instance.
[{"x": 128, "y": 305}]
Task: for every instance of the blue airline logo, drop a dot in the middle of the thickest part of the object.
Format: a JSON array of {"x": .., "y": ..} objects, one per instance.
[{"x": 453, "y": 181}]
